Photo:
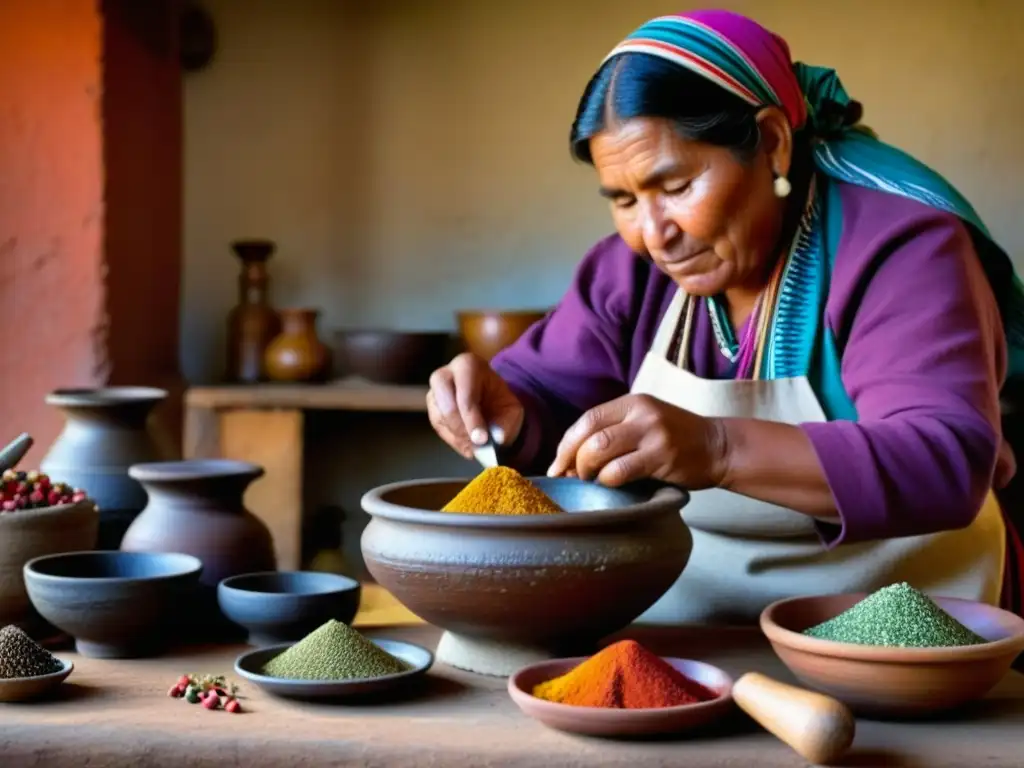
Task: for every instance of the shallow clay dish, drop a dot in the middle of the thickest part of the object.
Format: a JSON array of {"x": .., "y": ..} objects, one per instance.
[
  {"x": 900, "y": 682},
  {"x": 281, "y": 606},
  {"x": 596, "y": 721},
  {"x": 512, "y": 590},
  {"x": 250, "y": 665},
  {"x": 27, "y": 688}
]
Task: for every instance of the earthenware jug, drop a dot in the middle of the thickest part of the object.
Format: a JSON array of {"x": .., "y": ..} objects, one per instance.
[
  {"x": 105, "y": 431},
  {"x": 252, "y": 323},
  {"x": 297, "y": 354},
  {"x": 196, "y": 507}
]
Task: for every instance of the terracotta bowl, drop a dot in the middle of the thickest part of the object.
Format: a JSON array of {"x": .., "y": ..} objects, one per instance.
[
  {"x": 528, "y": 587},
  {"x": 894, "y": 682},
  {"x": 282, "y": 606},
  {"x": 599, "y": 721},
  {"x": 115, "y": 604},
  {"x": 486, "y": 332},
  {"x": 390, "y": 357},
  {"x": 33, "y": 533}
]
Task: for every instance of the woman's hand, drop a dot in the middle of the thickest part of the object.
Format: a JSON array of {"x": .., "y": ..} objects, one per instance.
[
  {"x": 466, "y": 396},
  {"x": 637, "y": 437}
]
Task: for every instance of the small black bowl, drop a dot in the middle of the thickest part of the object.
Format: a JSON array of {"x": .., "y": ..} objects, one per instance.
[
  {"x": 283, "y": 606},
  {"x": 115, "y": 604}
]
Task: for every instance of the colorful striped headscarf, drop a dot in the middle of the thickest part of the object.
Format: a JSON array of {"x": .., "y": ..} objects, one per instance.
[{"x": 751, "y": 62}]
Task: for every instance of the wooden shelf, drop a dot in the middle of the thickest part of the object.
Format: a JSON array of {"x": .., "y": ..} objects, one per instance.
[{"x": 344, "y": 395}]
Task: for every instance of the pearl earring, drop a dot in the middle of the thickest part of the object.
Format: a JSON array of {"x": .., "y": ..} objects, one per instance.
[{"x": 782, "y": 186}]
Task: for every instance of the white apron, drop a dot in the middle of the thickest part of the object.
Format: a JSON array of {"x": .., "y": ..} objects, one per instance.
[{"x": 748, "y": 553}]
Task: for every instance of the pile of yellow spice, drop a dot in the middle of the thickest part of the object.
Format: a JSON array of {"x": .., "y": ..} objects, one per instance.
[{"x": 501, "y": 491}]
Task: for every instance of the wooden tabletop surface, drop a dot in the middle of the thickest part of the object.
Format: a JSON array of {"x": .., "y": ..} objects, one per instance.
[{"x": 117, "y": 713}]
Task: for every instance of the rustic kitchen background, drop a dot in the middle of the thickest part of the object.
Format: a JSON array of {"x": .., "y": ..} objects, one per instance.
[{"x": 406, "y": 157}]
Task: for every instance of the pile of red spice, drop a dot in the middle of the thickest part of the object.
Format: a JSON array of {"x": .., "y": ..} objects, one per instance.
[{"x": 624, "y": 676}]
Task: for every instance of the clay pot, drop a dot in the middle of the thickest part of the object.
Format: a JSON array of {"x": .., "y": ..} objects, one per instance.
[
  {"x": 105, "y": 432},
  {"x": 252, "y": 323},
  {"x": 33, "y": 533},
  {"x": 487, "y": 332},
  {"x": 510, "y": 590},
  {"x": 297, "y": 354},
  {"x": 196, "y": 507}
]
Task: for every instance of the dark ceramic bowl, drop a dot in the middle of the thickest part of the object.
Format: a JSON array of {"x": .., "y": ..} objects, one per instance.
[
  {"x": 900, "y": 682},
  {"x": 390, "y": 357},
  {"x": 115, "y": 604},
  {"x": 278, "y": 607},
  {"x": 557, "y": 582}
]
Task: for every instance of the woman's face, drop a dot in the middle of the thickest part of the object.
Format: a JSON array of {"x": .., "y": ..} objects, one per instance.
[{"x": 706, "y": 219}]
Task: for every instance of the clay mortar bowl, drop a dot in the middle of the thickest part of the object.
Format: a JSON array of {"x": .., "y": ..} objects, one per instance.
[
  {"x": 894, "y": 682},
  {"x": 526, "y": 588}
]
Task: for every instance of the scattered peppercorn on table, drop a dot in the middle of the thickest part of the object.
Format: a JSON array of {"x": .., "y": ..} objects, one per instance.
[{"x": 117, "y": 713}]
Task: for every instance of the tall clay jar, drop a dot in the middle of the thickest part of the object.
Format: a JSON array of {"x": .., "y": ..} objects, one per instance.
[
  {"x": 196, "y": 507},
  {"x": 106, "y": 431},
  {"x": 297, "y": 354},
  {"x": 252, "y": 323}
]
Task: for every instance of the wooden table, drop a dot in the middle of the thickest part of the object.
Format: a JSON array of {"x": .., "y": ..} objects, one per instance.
[
  {"x": 263, "y": 423},
  {"x": 114, "y": 714}
]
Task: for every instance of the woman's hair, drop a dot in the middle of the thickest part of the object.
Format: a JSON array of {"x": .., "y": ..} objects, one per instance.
[{"x": 634, "y": 85}]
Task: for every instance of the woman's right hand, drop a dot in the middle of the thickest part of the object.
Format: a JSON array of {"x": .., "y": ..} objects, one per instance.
[{"x": 465, "y": 397}]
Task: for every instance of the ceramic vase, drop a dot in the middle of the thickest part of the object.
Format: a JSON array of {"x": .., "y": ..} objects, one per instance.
[
  {"x": 196, "y": 507},
  {"x": 297, "y": 354},
  {"x": 105, "y": 432},
  {"x": 252, "y": 323}
]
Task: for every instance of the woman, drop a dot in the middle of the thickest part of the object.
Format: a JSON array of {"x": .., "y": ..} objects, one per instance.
[{"x": 799, "y": 323}]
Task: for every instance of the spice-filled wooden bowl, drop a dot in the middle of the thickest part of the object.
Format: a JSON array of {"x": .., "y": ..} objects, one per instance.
[
  {"x": 892, "y": 681},
  {"x": 609, "y": 722},
  {"x": 511, "y": 590},
  {"x": 280, "y": 606},
  {"x": 115, "y": 604},
  {"x": 417, "y": 660}
]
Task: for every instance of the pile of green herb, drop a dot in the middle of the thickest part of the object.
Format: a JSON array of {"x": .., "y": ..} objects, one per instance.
[
  {"x": 335, "y": 651},
  {"x": 897, "y": 616}
]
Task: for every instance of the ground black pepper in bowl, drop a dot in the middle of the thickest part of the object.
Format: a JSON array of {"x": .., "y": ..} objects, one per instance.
[{"x": 21, "y": 656}]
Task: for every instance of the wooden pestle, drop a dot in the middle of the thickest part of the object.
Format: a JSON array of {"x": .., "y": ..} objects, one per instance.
[{"x": 816, "y": 726}]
